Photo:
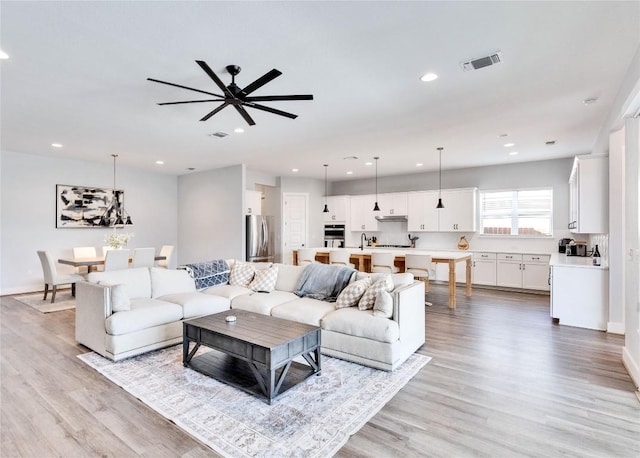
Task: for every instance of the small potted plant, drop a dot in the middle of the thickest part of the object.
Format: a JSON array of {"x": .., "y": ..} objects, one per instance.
[{"x": 118, "y": 241}]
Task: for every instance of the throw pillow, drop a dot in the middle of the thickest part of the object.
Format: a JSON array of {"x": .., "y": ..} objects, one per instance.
[
  {"x": 384, "y": 305},
  {"x": 369, "y": 297},
  {"x": 352, "y": 293},
  {"x": 264, "y": 280},
  {"x": 120, "y": 301},
  {"x": 241, "y": 274}
]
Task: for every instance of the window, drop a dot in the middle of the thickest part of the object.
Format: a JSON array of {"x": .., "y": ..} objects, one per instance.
[{"x": 524, "y": 213}]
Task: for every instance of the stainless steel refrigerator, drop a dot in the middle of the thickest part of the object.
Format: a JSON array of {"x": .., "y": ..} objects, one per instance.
[{"x": 260, "y": 238}]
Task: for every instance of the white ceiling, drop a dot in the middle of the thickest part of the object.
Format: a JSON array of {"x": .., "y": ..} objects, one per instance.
[{"x": 77, "y": 75}]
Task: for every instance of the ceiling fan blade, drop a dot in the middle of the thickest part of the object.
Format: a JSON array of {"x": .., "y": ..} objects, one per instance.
[
  {"x": 268, "y": 98},
  {"x": 191, "y": 101},
  {"x": 271, "y": 110},
  {"x": 214, "y": 111},
  {"x": 183, "y": 87},
  {"x": 203, "y": 65},
  {"x": 264, "y": 79},
  {"x": 245, "y": 115}
]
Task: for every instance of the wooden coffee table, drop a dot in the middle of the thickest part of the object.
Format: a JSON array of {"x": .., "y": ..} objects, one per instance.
[{"x": 255, "y": 353}]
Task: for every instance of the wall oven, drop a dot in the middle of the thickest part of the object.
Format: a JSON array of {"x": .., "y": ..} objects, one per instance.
[{"x": 334, "y": 235}]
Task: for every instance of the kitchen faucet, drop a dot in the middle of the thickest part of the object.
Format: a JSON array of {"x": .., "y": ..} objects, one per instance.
[{"x": 363, "y": 238}]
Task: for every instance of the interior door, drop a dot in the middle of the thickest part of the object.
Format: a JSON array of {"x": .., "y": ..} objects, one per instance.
[{"x": 295, "y": 224}]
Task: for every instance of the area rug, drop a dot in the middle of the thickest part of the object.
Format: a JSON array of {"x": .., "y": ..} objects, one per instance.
[
  {"x": 313, "y": 419},
  {"x": 64, "y": 301}
]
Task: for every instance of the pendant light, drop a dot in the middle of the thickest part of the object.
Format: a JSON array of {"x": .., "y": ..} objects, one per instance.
[
  {"x": 440, "y": 204},
  {"x": 115, "y": 215},
  {"x": 326, "y": 208},
  {"x": 375, "y": 207}
]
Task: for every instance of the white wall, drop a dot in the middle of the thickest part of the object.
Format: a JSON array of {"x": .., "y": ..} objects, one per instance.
[
  {"x": 28, "y": 210},
  {"x": 211, "y": 215}
]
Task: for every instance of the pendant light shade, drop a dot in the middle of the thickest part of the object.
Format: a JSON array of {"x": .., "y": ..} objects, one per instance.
[
  {"x": 376, "y": 208},
  {"x": 440, "y": 204},
  {"x": 326, "y": 208},
  {"x": 115, "y": 215}
]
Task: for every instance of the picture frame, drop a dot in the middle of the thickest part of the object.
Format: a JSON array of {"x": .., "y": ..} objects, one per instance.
[{"x": 83, "y": 206}]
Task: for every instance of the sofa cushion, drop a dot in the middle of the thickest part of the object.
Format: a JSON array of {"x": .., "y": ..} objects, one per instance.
[
  {"x": 241, "y": 274},
  {"x": 303, "y": 310},
  {"x": 384, "y": 283},
  {"x": 384, "y": 305},
  {"x": 144, "y": 313},
  {"x": 208, "y": 273},
  {"x": 120, "y": 301},
  {"x": 170, "y": 281},
  {"x": 361, "y": 323},
  {"x": 137, "y": 280},
  {"x": 399, "y": 280},
  {"x": 198, "y": 304},
  {"x": 264, "y": 280},
  {"x": 262, "y": 302},
  {"x": 288, "y": 277},
  {"x": 228, "y": 291},
  {"x": 351, "y": 295}
]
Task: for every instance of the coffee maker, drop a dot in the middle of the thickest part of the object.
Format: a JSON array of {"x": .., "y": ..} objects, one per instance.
[{"x": 563, "y": 244}]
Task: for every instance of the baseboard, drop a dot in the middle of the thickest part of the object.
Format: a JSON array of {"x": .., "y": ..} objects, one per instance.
[
  {"x": 615, "y": 327},
  {"x": 632, "y": 366}
]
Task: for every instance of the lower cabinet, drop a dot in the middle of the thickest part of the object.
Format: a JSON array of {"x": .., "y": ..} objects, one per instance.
[
  {"x": 527, "y": 271},
  {"x": 580, "y": 296},
  {"x": 484, "y": 269},
  {"x": 509, "y": 270}
]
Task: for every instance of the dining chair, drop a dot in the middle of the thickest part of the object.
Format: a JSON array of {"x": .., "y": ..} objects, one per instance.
[
  {"x": 383, "y": 263},
  {"x": 306, "y": 256},
  {"x": 106, "y": 248},
  {"x": 340, "y": 258},
  {"x": 144, "y": 257},
  {"x": 84, "y": 252},
  {"x": 116, "y": 260},
  {"x": 420, "y": 266},
  {"x": 53, "y": 279},
  {"x": 167, "y": 252}
]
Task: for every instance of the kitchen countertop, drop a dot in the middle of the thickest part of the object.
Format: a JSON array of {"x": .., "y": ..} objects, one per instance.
[
  {"x": 562, "y": 260},
  {"x": 454, "y": 254}
]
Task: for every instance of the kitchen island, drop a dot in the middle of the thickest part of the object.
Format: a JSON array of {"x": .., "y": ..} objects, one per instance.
[{"x": 362, "y": 260}]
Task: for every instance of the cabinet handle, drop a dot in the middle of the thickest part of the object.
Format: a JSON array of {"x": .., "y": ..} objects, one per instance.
[
  {"x": 484, "y": 255},
  {"x": 537, "y": 258},
  {"x": 509, "y": 257},
  {"x": 249, "y": 210}
]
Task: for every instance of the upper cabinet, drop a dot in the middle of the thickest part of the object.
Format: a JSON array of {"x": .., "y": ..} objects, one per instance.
[
  {"x": 338, "y": 209},
  {"x": 393, "y": 204},
  {"x": 363, "y": 218},
  {"x": 588, "y": 195},
  {"x": 254, "y": 202},
  {"x": 458, "y": 214}
]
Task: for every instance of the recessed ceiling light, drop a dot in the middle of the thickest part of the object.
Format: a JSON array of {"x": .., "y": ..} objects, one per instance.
[
  {"x": 509, "y": 145},
  {"x": 512, "y": 153},
  {"x": 238, "y": 130},
  {"x": 590, "y": 100},
  {"x": 160, "y": 162},
  {"x": 419, "y": 164},
  {"x": 3, "y": 55},
  {"x": 428, "y": 77},
  {"x": 295, "y": 170},
  {"x": 349, "y": 172},
  {"x": 57, "y": 145},
  {"x": 368, "y": 163}
]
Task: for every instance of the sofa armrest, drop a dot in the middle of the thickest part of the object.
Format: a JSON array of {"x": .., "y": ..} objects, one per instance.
[
  {"x": 408, "y": 312},
  {"x": 93, "y": 307}
]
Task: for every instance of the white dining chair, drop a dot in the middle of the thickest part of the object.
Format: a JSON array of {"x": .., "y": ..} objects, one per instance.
[
  {"x": 383, "y": 263},
  {"x": 167, "y": 252},
  {"x": 340, "y": 258},
  {"x": 53, "y": 279},
  {"x": 116, "y": 260},
  {"x": 84, "y": 252},
  {"x": 420, "y": 266},
  {"x": 106, "y": 248},
  {"x": 144, "y": 257},
  {"x": 306, "y": 256}
]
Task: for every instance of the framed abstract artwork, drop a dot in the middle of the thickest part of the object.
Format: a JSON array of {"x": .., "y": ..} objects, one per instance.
[{"x": 81, "y": 206}]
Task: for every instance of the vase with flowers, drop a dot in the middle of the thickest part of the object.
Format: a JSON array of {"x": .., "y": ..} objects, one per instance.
[{"x": 118, "y": 241}]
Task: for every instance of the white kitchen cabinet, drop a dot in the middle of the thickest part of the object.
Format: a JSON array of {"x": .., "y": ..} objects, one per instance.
[
  {"x": 579, "y": 296},
  {"x": 589, "y": 196},
  {"x": 363, "y": 218},
  {"x": 535, "y": 271},
  {"x": 484, "y": 269},
  {"x": 421, "y": 211},
  {"x": 509, "y": 270},
  {"x": 459, "y": 212},
  {"x": 254, "y": 202},
  {"x": 393, "y": 204},
  {"x": 338, "y": 209}
]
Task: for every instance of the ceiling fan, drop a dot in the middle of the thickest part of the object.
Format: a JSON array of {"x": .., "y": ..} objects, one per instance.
[{"x": 236, "y": 96}]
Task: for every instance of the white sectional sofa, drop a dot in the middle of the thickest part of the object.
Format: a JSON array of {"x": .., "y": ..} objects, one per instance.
[{"x": 160, "y": 299}]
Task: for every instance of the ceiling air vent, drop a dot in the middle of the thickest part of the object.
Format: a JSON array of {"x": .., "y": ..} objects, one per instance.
[
  {"x": 218, "y": 134},
  {"x": 481, "y": 62}
]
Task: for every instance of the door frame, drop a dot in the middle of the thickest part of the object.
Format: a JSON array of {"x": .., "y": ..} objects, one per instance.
[{"x": 283, "y": 222}]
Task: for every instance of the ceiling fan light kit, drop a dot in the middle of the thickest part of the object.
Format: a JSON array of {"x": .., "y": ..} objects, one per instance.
[{"x": 235, "y": 96}]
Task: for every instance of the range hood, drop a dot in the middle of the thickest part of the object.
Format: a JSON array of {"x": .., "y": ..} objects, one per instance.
[{"x": 392, "y": 218}]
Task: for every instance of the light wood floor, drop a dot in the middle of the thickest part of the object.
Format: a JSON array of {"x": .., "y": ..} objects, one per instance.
[{"x": 504, "y": 382}]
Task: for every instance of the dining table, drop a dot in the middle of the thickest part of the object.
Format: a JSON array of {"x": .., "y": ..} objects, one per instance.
[{"x": 93, "y": 262}]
